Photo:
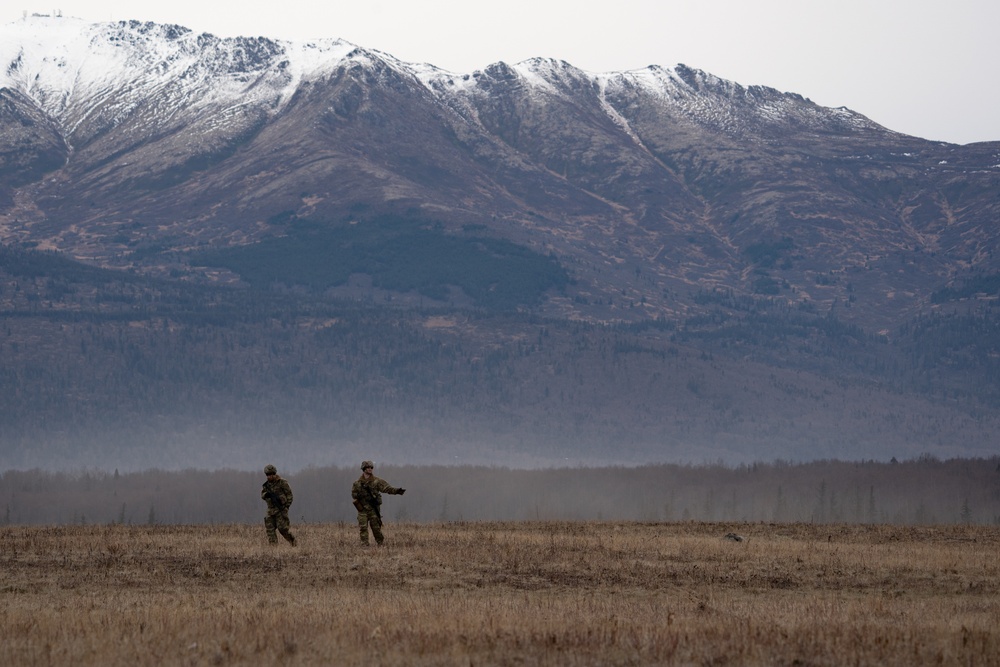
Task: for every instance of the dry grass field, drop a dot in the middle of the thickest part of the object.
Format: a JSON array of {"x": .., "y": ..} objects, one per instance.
[{"x": 564, "y": 593}]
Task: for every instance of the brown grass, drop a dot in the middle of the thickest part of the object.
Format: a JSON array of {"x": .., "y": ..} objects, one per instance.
[{"x": 502, "y": 594}]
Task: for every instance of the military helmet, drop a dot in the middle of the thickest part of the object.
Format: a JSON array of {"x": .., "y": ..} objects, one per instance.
[
  {"x": 269, "y": 469},
  {"x": 367, "y": 464}
]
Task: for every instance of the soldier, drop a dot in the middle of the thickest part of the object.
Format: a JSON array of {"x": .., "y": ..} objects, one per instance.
[
  {"x": 367, "y": 496},
  {"x": 277, "y": 493}
]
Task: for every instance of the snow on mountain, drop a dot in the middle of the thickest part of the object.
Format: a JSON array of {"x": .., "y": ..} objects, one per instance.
[
  {"x": 73, "y": 69},
  {"x": 123, "y": 143},
  {"x": 84, "y": 73},
  {"x": 731, "y": 107}
]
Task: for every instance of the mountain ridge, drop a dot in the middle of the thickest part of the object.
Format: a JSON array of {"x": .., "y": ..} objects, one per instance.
[{"x": 660, "y": 212}]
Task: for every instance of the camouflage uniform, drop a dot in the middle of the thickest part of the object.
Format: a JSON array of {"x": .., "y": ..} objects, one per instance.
[
  {"x": 367, "y": 497},
  {"x": 277, "y": 493}
]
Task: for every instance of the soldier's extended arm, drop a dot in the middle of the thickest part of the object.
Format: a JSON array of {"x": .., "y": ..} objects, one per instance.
[{"x": 385, "y": 488}]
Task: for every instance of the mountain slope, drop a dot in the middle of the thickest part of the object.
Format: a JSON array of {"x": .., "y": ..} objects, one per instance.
[
  {"x": 648, "y": 185},
  {"x": 752, "y": 232}
]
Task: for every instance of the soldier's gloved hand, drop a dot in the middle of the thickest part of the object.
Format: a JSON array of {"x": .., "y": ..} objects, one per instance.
[{"x": 402, "y": 491}]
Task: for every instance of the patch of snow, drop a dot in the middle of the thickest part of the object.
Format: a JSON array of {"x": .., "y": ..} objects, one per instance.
[
  {"x": 534, "y": 75},
  {"x": 612, "y": 113},
  {"x": 69, "y": 67}
]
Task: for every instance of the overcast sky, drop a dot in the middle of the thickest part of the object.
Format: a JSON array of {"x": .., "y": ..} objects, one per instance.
[{"x": 930, "y": 69}]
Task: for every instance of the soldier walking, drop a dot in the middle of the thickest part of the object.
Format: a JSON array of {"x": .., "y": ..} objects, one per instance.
[
  {"x": 277, "y": 493},
  {"x": 367, "y": 496}
]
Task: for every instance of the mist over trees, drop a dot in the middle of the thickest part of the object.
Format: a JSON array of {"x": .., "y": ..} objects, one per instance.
[
  {"x": 111, "y": 369},
  {"x": 919, "y": 491}
]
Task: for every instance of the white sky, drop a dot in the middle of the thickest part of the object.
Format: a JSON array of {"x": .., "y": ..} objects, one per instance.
[{"x": 926, "y": 68}]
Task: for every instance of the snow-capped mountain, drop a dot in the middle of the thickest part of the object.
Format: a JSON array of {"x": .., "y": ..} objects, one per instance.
[
  {"x": 129, "y": 144},
  {"x": 778, "y": 264},
  {"x": 75, "y": 71}
]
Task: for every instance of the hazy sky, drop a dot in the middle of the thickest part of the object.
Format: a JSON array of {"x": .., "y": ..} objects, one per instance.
[{"x": 930, "y": 69}]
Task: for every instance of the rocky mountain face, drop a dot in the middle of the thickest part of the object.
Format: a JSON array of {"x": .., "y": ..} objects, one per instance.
[
  {"x": 649, "y": 186},
  {"x": 663, "y": 195}
]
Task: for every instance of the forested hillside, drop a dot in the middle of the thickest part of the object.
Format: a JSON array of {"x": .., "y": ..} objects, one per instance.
[{"x": 115, "y": 370}]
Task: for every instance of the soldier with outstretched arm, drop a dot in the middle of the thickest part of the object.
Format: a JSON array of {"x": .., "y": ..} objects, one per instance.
[
  {"x": 366, "y": 493},
  {"x": 277, "y": 493}
]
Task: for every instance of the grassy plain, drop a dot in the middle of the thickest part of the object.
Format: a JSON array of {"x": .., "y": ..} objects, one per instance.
[{"x": 532, "y": 593}]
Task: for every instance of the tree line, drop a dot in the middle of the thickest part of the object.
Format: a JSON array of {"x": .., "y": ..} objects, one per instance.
[{"x": 925, "y": 490}]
